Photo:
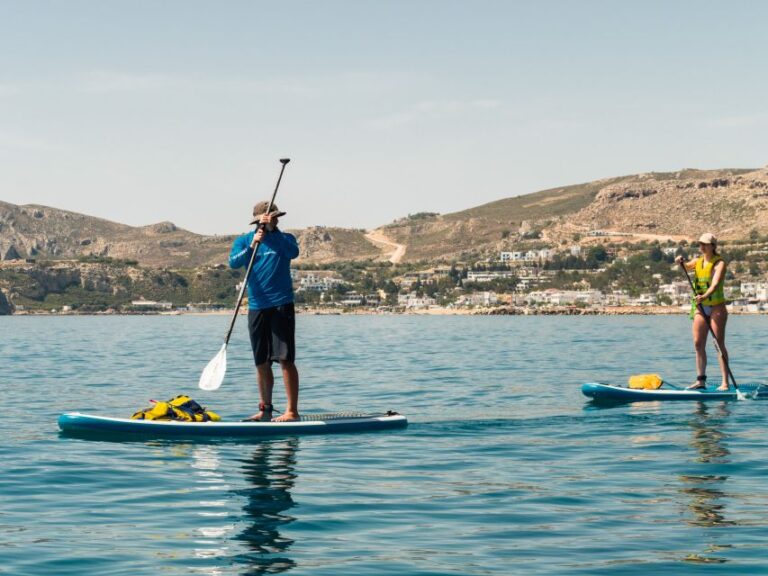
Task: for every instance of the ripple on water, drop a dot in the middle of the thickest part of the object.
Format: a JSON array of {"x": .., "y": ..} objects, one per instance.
[{"x": 504, "y": 469}]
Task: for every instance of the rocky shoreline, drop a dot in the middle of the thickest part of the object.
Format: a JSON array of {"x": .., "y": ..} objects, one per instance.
[
  {"x": 575, "y": 311},
  {"x": 436, "y": 311}
]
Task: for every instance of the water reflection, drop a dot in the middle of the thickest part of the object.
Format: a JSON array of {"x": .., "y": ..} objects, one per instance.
[
  {"x": 707, "y": 432},
  {"x": 705, "y": 492},
  {"x": 270, "y": 472},
  {"x": 210, "y": 486}
]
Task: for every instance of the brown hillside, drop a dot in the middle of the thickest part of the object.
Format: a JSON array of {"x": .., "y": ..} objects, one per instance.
[
  {"x": 636, "y": 204},
  {"x": 450, "y": 235},
  {"x": 321, "y": 244},
  {"x": 32, "y": 231},
  {"x": 728, "y": 203}
]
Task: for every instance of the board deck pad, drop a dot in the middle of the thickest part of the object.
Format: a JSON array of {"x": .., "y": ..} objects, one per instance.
[{"x": 335, "y": 416}]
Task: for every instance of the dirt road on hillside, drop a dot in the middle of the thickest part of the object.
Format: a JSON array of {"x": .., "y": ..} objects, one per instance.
[{"x": 394, "y": 250}]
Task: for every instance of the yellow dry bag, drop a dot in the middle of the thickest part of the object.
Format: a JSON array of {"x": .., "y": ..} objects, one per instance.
[
  {"x": 645, "y": 381},
  {"x": 181, "y": 408}
]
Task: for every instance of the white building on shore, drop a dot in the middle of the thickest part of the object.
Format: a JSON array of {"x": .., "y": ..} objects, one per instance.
[
  {"x": 414, "y": 302},
  {"x": 488, "y": 298},
  {"x": 317, "y": 283},
  {"x": 678, "y": 292},
  {"x": 488, "y": 276},
  {"x": 556, "y": 297},
  {"x": 151, "y": 305},
  {"x": 352, "y": 299},
  {"x": 755, "y": 290},
  {"x": 541, "y": 255}
]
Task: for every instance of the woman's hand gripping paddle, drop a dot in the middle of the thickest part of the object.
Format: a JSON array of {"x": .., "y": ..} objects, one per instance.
[
  {"x": 700, "y": 307},
  {"x": 213, "y": 374}
]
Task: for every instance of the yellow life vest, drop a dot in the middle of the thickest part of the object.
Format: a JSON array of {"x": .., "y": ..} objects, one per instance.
[
  {"x": 181, "y": 408},
  {"x": 704, "y": 272}
]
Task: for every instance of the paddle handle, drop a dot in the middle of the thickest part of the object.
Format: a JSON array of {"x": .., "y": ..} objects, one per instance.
[
  {"x": 255, "y": 247},
  {"x": 700, "y": 307}
]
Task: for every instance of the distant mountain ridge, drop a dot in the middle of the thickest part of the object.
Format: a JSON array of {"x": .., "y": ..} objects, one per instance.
[
  {"x": 34, "y": 231},
  {"x": 728, "y": 202}
]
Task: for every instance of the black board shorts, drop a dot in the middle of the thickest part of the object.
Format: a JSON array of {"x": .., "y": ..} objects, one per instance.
[{"x": 272, "y": 333}]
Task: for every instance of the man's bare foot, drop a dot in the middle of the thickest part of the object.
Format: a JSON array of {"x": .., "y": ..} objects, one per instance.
[
  {"x": 723, "y": 388},
  {"x": 263, "y": 415},
  {"x": 287, "y": 417}
]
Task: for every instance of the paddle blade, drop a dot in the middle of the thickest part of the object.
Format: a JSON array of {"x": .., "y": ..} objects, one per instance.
[{"x": 213, "y": 375}]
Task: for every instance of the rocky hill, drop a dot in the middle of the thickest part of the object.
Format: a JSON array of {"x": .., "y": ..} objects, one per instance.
[
  {"x": 489, "y": 226},
  {"x": 41, "y": 232},
  {"x": 33, "y": 231},
  {"x": 730, "y": 203},
  {"x": 320, "y": 244}
]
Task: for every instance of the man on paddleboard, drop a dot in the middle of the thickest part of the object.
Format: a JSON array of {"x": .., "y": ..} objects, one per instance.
[
  {"x": 710, "y": 276},
  {"x": 271, "y": 316}
]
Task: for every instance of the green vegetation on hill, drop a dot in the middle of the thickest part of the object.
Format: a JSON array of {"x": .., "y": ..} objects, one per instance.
[
  {"x": 99, "y": 286},
  {"x": 96, "y": 286}
]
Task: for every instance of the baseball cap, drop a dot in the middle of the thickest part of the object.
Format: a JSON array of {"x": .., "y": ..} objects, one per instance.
[
  {"x": 708, "y": 238},
  {"x": 261, "y": 208}
]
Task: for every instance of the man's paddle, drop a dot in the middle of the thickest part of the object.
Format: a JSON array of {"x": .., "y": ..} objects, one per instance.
[
  {"x": 213, "y": 374},
  {"x": 700, "y": 307}
]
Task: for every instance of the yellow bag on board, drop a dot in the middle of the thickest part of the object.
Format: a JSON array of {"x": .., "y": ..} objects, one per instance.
[
  {"x": 645, "y": 381},
  {"x": 181, "y": 408}
]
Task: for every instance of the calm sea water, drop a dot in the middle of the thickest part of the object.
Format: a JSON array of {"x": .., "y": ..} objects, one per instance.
[{"x": 504, "y": 469}]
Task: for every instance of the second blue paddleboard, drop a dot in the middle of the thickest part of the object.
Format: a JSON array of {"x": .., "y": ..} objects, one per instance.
[{"x": 608, "y": 393}]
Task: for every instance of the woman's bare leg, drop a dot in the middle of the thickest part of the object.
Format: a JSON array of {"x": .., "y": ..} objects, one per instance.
[
  {"x": 718, "y": 319},
  {"x": 700, "y": 332}
]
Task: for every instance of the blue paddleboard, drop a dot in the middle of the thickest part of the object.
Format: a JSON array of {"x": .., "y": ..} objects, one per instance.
[
  {"x": 76, "y": 424},
  {"x": 608, "y": 393}
]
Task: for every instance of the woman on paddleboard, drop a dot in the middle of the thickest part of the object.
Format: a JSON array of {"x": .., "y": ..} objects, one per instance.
[{"x": 709, "y": 268}]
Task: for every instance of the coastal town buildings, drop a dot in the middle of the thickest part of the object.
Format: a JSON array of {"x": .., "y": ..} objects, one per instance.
[
  {"x": 592, "y": 276},
  {"x": 677, "y": 292},
  {"x": 150, "y": 305},
  {"x": 313, "y": 282},
  {"x": 541, "y": 255},
  {"x": 413, "y": 301},
  {"x": 557, "y": 297},
  {"x": 519, "y": 278},
  {"x": 486, "y": 298},
  {"x": 488, "y": 276}
]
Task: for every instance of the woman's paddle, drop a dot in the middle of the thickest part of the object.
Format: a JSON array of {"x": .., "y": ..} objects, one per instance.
[
  {"x": 213, "y": 374},
  {"x": 700, "y": 307}
]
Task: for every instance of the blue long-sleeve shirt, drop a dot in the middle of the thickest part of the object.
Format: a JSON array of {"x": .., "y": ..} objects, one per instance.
[{"x": 269, "y": 283}]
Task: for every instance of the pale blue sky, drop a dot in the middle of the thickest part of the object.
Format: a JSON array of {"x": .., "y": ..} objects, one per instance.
[{"x": 142, "y": 111}]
